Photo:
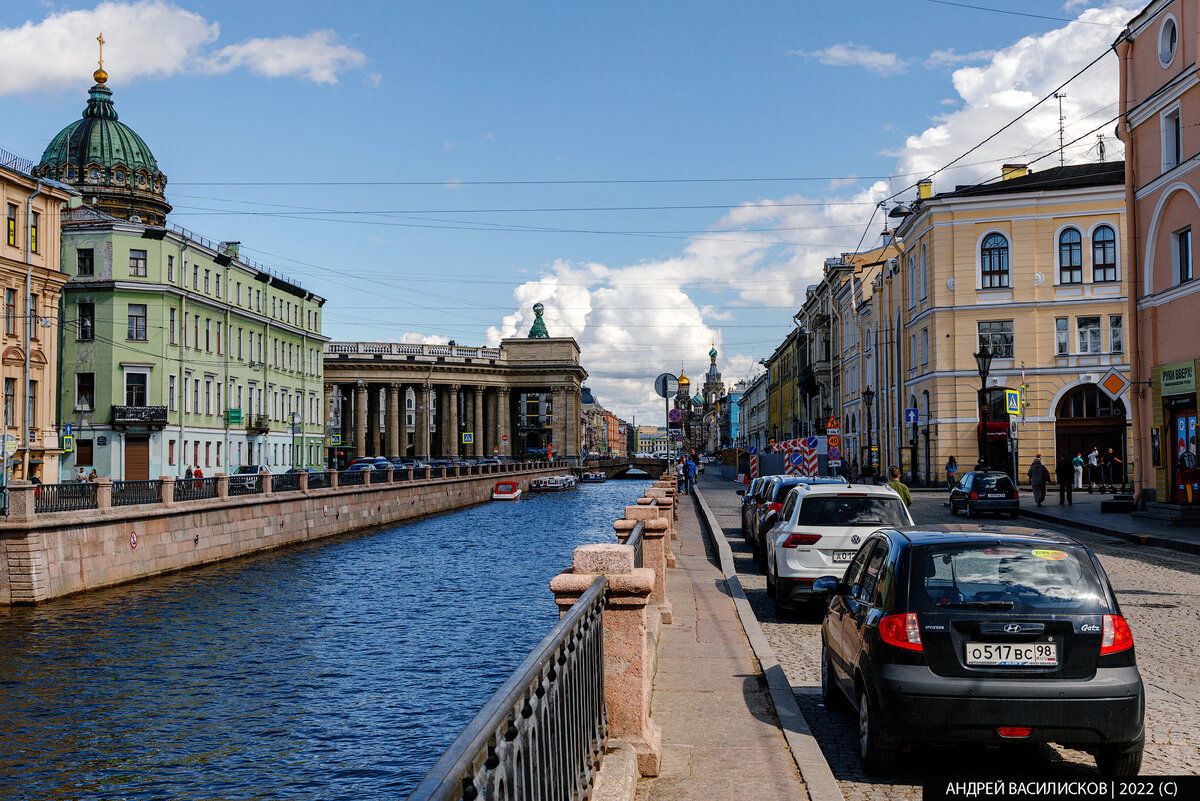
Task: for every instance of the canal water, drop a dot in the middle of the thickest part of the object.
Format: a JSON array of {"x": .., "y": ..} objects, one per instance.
[{"x": 339, "y": 669}]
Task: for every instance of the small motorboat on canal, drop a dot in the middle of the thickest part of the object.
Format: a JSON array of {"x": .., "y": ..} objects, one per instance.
[
  {"x": 553, "y": 483},
  {"x": 506, "y": 491},
  {"x": 593, "y": 477}
]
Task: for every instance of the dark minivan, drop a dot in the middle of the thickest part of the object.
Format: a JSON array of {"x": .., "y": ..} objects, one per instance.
[{"x": 958, "y": 634}]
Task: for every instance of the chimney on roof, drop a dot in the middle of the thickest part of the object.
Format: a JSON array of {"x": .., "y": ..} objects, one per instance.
[
  {"x": 885, "y": 238},
  {"x": 1008, "y": 171},
  {"x": 925, "y": 189}
]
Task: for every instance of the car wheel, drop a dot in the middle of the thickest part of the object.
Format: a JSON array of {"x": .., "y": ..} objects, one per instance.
[
  {"x": 830, "y": 694},
  {"x": 953, "y": 508},
  {"x": 1120, "y": 759},
  {"x": 770, "y": 585},
  {"x": 876, "y": 759},
  {"x": 971, "y": 510}
]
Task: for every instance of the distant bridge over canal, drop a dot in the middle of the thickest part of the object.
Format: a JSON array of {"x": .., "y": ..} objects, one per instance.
[{"x": 619, "y": 468}]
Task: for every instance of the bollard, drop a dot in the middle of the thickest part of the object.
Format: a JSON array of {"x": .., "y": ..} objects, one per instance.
[
  {"x": 168, "y": 490},
  {"x": 627, "y": 661}
]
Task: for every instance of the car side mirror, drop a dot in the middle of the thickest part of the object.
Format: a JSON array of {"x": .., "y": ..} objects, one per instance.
[
  {"x": 826, "y": 584},
  {"x": 769, "y": 520}
]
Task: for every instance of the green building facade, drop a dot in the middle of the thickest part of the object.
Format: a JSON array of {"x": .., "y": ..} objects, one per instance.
[{"x": 178, "y": 354}]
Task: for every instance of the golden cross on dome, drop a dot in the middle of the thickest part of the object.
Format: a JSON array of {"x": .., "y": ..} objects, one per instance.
[{"x": 100, "y": 39}]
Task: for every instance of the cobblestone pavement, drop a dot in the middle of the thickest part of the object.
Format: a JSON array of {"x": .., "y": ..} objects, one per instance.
[{"x": 1159, "y": 593}]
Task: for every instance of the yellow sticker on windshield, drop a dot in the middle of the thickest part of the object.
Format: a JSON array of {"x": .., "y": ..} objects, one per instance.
[{"x": 1043, "y": 553}]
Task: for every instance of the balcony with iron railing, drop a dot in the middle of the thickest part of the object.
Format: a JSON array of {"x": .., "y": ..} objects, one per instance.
[
  {"x": 258, "y": 424},
  {"x": 373, "y": 349},
  {"x": 140, "y": 416}
]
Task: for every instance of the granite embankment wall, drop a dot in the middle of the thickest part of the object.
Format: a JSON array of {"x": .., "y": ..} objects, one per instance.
[{"x": 51, "y": 555}]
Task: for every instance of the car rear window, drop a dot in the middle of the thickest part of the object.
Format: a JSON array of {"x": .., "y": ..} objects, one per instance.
[
  {"x": 987, "y": 482},
  {"x": 851, "y": 510},
  {"x": 781, "y": 490},
  {"x": 1022, "y": 577}
]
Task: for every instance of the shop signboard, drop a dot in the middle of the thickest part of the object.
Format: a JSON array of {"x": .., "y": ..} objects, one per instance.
[{"x": 1179, "y": 378}]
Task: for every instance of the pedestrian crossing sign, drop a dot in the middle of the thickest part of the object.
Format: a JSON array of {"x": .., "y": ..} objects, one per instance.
[
  {"x": 468, "y": 438},
  {"x": 1012, "y": 401}
]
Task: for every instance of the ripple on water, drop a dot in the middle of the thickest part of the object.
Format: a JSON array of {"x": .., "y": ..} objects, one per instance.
[{"x": 334, "y": 669}]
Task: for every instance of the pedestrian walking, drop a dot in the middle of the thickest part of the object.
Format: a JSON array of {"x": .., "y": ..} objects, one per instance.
[
  {"x": 1093, "y": 467},
  {"x": 689, "y": 475},
  {"x": 1039, "y": 476},
  {"x": 898, "y": 485},
  {"x": 1077, "y": 463},
  {"x": 1112, "y": 466},
  {"x": 188, "y": 473},
  {"x": 1064, "y": 470},
  {"x": 951, "y": 473}
]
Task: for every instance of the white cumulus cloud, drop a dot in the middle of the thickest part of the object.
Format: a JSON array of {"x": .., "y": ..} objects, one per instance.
[{"x": 154, "y": 39}]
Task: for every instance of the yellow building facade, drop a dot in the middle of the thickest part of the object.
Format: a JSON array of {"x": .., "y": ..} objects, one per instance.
[
  {"x": 1034, "y": 268},
  {"x": 32, "y": 283}
]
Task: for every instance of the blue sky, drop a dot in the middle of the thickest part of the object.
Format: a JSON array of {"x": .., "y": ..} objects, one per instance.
[{"x": 660, "y": 175}]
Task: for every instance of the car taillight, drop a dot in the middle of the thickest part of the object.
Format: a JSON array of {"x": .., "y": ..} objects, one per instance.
[
  {"x": 974, "y": 495},
  {"x": 800, "y": 539},
  {"x": 1016, "y": 494},
  {"x": 776, "y": 507},
  {"x": 901, "y": 631},
  {"x": 1117, "y": 635},
  {"x": 1014, "y": 731}
]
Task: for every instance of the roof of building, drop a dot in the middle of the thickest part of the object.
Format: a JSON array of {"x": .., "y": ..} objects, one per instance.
[{"x": 1072, "y": 176}]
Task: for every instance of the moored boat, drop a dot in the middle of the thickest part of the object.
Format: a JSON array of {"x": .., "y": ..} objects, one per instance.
[
  {"x": 593, "y": 477},
  {"x": 552, "y": 483},
  {"x": 506, "y": 491}
]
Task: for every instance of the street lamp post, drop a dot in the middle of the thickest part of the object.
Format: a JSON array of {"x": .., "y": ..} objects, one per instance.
[
  {"x": 868, "y": 396},
  {"x": 983, "y": 360}
]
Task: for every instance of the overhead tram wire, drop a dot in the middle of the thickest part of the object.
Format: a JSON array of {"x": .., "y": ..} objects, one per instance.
[{"x": 1022, "y": 13}]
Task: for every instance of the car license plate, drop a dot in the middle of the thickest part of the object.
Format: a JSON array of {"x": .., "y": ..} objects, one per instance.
[
  {"x": 995, "y": 494},
  {"x": 843, "y": 556},
  {"x": 1038, "y": 654}
]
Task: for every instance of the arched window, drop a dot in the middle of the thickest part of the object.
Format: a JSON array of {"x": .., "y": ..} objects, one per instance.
[
  {"x": 1089, "y": 401},
  {"x": 1070, "y": 257},
  {"x": 1104, "y": 254},
  {"x": 994, "y": 262}
]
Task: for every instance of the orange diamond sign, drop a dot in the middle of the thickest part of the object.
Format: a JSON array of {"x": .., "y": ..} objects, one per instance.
[{"x": 1114, "y": 384}]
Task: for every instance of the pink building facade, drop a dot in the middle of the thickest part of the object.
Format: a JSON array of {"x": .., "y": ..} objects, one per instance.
[{"x": 1160, "y": 126}]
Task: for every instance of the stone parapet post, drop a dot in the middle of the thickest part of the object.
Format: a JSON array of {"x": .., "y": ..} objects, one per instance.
[
  {"x": 390, "y": 472},
  {"x": 333, "y": 478},
  {"x": 408, "y": 474},
  {"x": 268, "y": 483},
  {"x": 628, "y": 663},
  {"x": 654, "y": 549},
  {"x": 168, "y": 490},
  {"x": 222, "y": 485},
  {"x": 104, "y": 493},
  {"x": 303, "y": 481},
  {"x": 21, "y": 500}
]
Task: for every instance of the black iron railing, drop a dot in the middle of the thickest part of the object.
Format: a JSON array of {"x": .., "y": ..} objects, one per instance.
[
  {"x": 285, "y": 482},
  {"x": 245, "y": 484},
  {"x": 379, "y": 476},
  {"x": 635, "y": 539},
  {"x": 64, "y": 497},
  {"x": 318, "y": 480},
  {"x": 195, "y": 489},
  {"x": 128, "y": 493},
  {"x": 541, "y": 736},
  {"x": 352, "y": 478}
]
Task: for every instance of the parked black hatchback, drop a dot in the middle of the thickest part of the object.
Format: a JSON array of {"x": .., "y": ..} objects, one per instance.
[
  {"x": 958, "y": 634},
  {"x": 985, "y": 491}
]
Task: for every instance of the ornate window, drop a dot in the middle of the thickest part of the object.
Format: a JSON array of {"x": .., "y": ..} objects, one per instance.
[
  {"x": 1104, "y": 254},
  {"x": 994, "y": 262},
  {"x": 1070, "y": 257}
]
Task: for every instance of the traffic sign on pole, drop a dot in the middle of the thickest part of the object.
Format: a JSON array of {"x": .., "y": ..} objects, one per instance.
[{"x": 911, "y": 416}]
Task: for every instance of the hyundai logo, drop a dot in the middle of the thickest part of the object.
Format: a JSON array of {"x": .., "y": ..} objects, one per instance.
[
  {"x": 1012, "y": 628},
  {"x": 854, "y": 539}
]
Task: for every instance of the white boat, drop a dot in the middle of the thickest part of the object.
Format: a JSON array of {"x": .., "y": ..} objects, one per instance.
[
  {"x": 594, "y": 477},
  {"x": 506, "y": 491},
  {"x": 552, "y": 483}
]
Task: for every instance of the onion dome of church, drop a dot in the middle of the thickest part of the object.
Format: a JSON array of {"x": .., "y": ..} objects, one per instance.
[
  {"x": 107, "y": 161},
  {"x": 712, "y": 354},
  {"x": 697, "y": 400},
  {"x": 684, "y": 381}
]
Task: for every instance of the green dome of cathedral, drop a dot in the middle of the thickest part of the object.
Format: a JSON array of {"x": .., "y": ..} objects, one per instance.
[{"x": 107, "y": 161}]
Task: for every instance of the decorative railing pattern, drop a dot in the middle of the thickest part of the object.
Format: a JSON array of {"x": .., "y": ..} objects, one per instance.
[
  {"x": 139, "y": 415},
  {"x": 402, "y": 349},
  {"x": 541, "y": 735},
  {"x": 245, "y": 484},
  {"x": 195, "y": 489},
  {"x": 285, "y": 482},
  {"x": 64, "y": 497},
  {"x": 128, "y": 493},
  {"x": 352, "y": 478}
]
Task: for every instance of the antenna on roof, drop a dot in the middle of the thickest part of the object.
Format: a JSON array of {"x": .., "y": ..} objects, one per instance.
[{"x": 1060, "y": 96}]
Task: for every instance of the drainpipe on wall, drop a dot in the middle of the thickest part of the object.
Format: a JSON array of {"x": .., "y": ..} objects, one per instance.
[
  {"x": 180, "y": 470},
  {"x": 30, "y": 322},
  {"x": 1122, "y": 48}
]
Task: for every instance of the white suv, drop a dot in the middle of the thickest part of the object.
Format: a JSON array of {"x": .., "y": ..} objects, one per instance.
[{"x": 817, "y": 533}]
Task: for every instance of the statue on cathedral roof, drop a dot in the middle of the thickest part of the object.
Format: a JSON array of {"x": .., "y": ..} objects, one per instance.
[{"x": 538, "y": 329}]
